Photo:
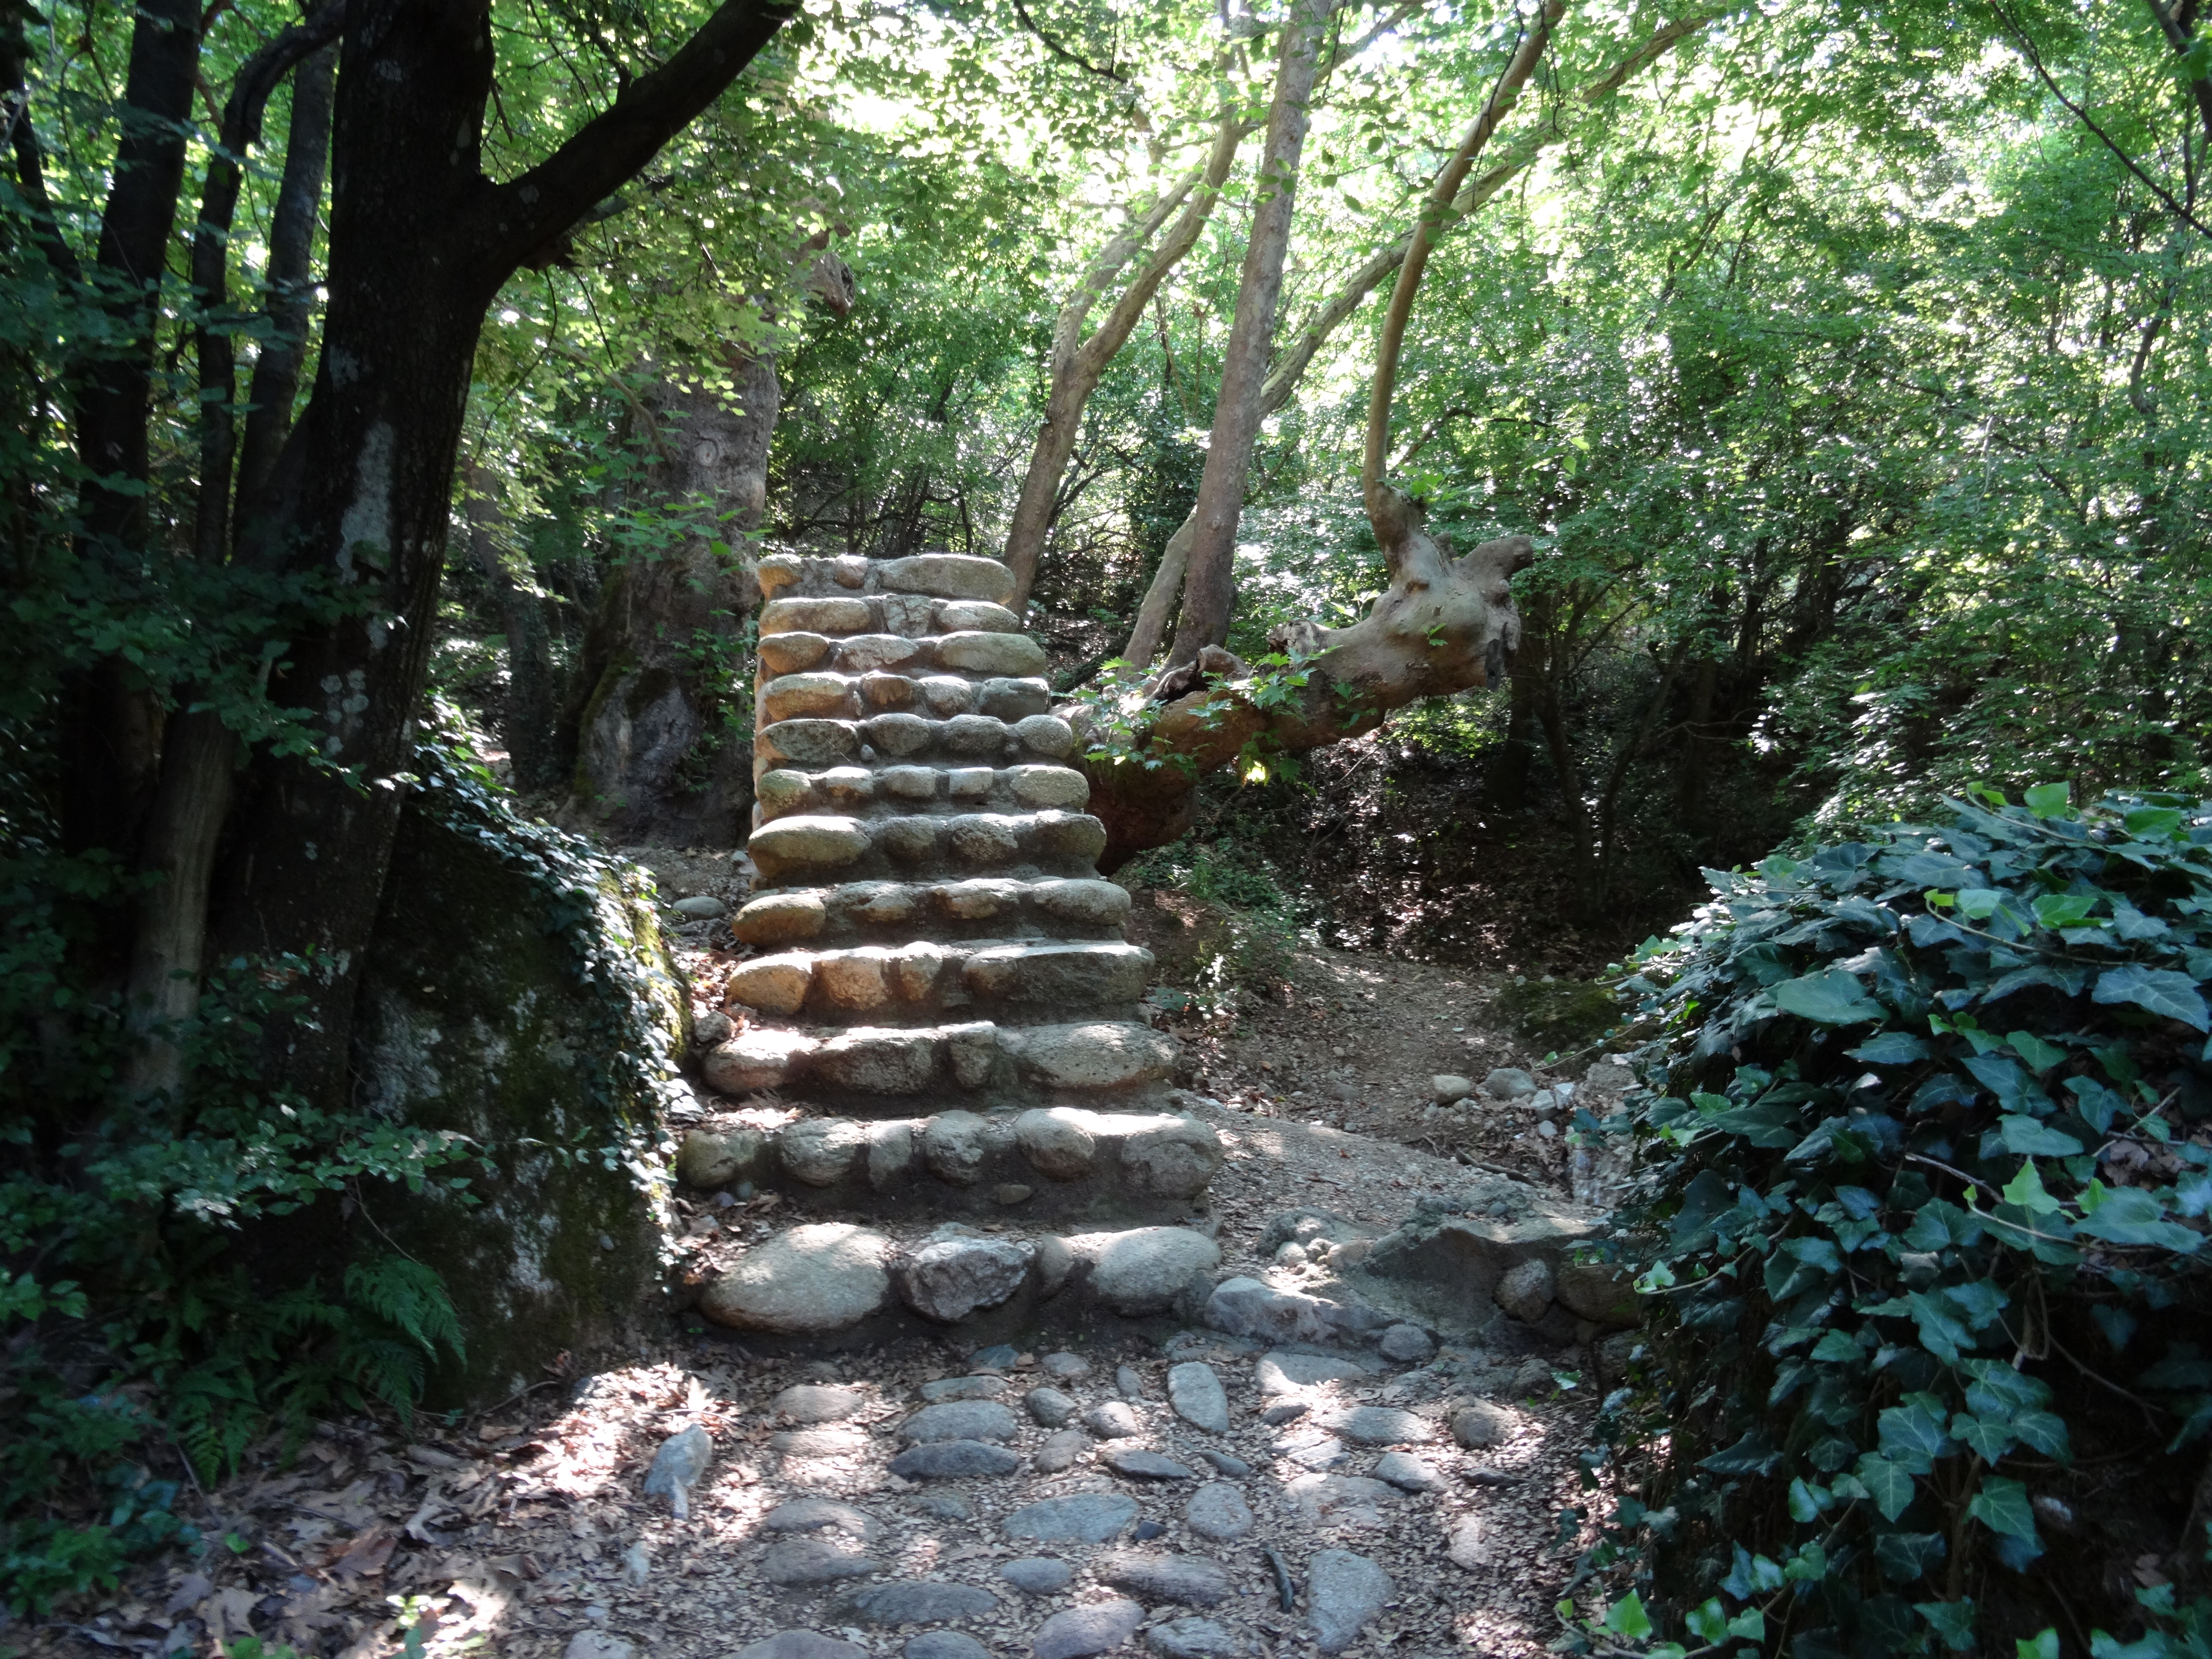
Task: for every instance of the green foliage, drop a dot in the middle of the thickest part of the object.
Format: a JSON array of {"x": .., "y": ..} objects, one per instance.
[{"x": 1929, "y": 1108}]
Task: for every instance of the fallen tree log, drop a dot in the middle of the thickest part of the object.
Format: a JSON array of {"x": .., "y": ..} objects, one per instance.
[{"x": 1445, "y": 624}]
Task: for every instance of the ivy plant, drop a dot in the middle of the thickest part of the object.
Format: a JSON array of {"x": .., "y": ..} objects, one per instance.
[{"x": 1926, "y": 1137}]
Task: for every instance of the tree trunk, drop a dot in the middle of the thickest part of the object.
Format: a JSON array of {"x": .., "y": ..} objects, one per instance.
[
  {"x": 361, "y": 488},
  {"x": 664, "y": 751},
  {"x": 1210, "y": 586}
]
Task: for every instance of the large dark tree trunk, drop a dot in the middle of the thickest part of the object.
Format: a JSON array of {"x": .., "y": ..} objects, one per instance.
[{"x": 663, "y": 753}]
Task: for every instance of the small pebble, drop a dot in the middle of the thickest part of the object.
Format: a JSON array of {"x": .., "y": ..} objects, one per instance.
[
  {"x": 1037, "y": 1575},
  {"x": 1127, "y": 1380},
  {"x": 1148, "y": 1530},
  {"x": 1285, "y": 1412},
  {"x": 1065, "y": 1366}
]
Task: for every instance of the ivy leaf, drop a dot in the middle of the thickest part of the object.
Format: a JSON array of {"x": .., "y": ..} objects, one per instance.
[
  {"x": 2026, "y": 1189},
  {"x": 2044, "y": 1431},
  {"x": 1955, "y": 1621},
  {"x": 2040, "y": 1056},
  {"x": 2160, "y": 990},
  {"x": 1913, "y": 1429},
  {"x": 2048, "y": 800},
  {"x": 2001, "y": 1505},
  {"x": 1889, "y": 1486},
  {"x": 2044, "y": 1645},
  {"x": 1943, "y": 1333},
  {"x": 1905, "y": 1556},
  {"x": 1626, "y": 1618},
  {"x": 2130, "y": 1215},
  {"x": 1753, "y": 1455},
  {"x": 1833, "y": 998},
  {"x": 1837, "y": 1348},
  {"x": 2056, "y": 910},
  {"x": 2152, "y": 823},
  {"x": 1890, "y": 1048},
  {"x": 1708, "y": 1623},
  {"x": 2031, "y": 1139},
  {"x": 1808, "y": 1503},
  {"x": 1979, "y": 903},
  {"x": 1987, "y": 1441}
]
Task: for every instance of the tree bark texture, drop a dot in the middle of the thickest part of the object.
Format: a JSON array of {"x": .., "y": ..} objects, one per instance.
[
  {"x": 1209, "y": 587},
  {"x": 526, "y": 718},
  {"x": 1444, "y": 625},
  {"x": 662, "y": 753}
]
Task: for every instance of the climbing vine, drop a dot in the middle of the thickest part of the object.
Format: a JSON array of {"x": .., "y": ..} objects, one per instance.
[{"x": 1927, "y": 1150}]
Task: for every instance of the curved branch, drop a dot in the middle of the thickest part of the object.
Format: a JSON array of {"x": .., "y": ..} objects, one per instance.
[{"x": 1109, "y": 73}]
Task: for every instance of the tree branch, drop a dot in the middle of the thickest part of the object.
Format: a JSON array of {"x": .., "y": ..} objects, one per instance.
[
  {"x": 1109, "y": 73},
  {"x": 523, "y": 221}
]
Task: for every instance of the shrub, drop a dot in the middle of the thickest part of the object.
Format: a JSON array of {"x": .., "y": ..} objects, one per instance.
[{"x": 1928, "y": 1144}]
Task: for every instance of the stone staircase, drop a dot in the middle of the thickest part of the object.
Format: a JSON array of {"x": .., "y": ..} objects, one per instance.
[{"x": 940, "y": 986}]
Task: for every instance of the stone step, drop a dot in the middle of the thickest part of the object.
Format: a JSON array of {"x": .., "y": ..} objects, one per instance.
[
  {"x": 810, "y": 743},
  {"x": 809, "y": 848},
  {"x": 800, "y": 668},
  {"x": 1060, "y": 1161},
  {"x": 925, "y": 977},
  {"x": 897, "y": 791},
  {"x": 861, "y": 634},
  {"x": 926, "y": 575},
  {"x": 830, "y": 1279},
  {"x": 894, "y": 912},
  {"x": 987, "y": 1058}
]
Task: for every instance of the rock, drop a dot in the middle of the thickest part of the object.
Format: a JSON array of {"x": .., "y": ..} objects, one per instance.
[
  {"x": 1054, "y": 1261},
  {"x": 1138, "y": 1464},
  {"x": 822, "y": 1277},
  {"x": 958, "y": 1420},
  {"x": 1010, "y": 1192},
  {"x": 597, "y": 1645},
  {"x": 1196, "y": 1639},
  {"x": 1234, "y": 1468},
  {"x": 947, "y": 576},
  {"x": 812, "y": 1402},
  {"x": 1098, "y": 1054},
  {"x": 946, "y": 1506},
  {"x": 1282, "y": 1372},
  {"x": 1049, "y": 1408},
  {"x": 954, "y": 1460},
  {"x": 1509, "y": 1083},
  {"x": 1065, "y": 1366},
  {"x": 1057, "y": 1142},
  {"x": 998, "y": 1356},
  {"x": 948, "y": 1279},
  {"x": 1608, "y": 1077},
  {"x": 963, "y": 1388},
  {"x": 1147, "y": 1529},
  {"x": 1218, "y": 1511},
  {"x": 1309, "y": 1449},
  {"x": 701, "y": 907},
  {"x": 819, "y": 1514},
  {"x": 1082, "y": 1630},
  {"x": 821, "y": 1152},
  {"x": 1380, "y": 1425},
  {"x": 1530, "y": 1376},
  {"x": 1037, "y": 1575},
  {"x": 677, "y": 1467},
  {"x": 954, "y": 1146},
  {"x": 1060, "y": 1450},
  {"x": 1303, "y": 1226},
  {"x": 1246, "y": 1307},
  {"x": 1112, "y": 1420},
  {"x": 1083, "y": 1517},
  {"x": 1350, "y": 1500},
  {"x": 1408, "y": 1345},
  {"x": 1344, "y": 1593},
  {"x": 1469, "y": 1544},
  {"x": 1143, "y": 1271},
  {"x": 801, "y": 1644},
  {"x": 1481, "y": 1424},
  {"x": 1198, "y": 1397},
  {"x": 1292, "y": 1254},
  {"x": 1446, "y": 1089},
  {"x": 1129, "y": 1384},
  {"x": 708, "y": 1160},
  {"x": 818, "y": 1443},
  {"x": 1159, "y": 1577},
  {"x": 916, "y": 1602},
  {"x": 1599, "y": 1291},
  {"x": 1175, "y": 1160},
  {"x": 1287, "y": 1411},
  {"x": 816, "y": 1559},
  {"x": 944, "y": 1644},
  {"x": 1525, "y": 1292},
  {"x": 1407, "y": 1473}
]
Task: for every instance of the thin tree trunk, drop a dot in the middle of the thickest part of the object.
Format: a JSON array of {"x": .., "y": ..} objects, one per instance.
[
  {"x": 1210, "y": 586},
  {"x": 1078, "y": 363},
  {"x": 526, "y": 721},
  {"x": 291, "y": 299}
]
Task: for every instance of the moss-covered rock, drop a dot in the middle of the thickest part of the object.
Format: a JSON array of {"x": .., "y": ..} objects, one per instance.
[
  {"x": 518, "y": 993},
  {"x": 1559, "y": 1014}
]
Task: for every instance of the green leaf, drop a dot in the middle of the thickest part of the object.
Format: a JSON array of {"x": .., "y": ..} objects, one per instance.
[
  {"x": 1987, "y": 1441},
  {"x": 2027, "y": 1190},
  {"x": 2128, "y": 1215},
  {"x": 1749, "y": 1625},
  {"x": 1808, "y": 1503},
  {"x": 1905, "y": 1556},
  {"x": 2064, "y": 910},
  {"x": 2001, "y": 1505},
  {"x": 1955, "y": 1621},
  {"x": 1979, "y": 903},
  {"x": 2044, "y": 1645},
  {"x": 1889, "y": 1486},
  {"x": 2040, "y": 1056},
  {"x": 1708, "y": 1623},
  {"x": 2160, "y": 990},
  {"x": 1890, "y": 1048},
  {"x": 2044, "y": 1431},
  {"x": 1833, "y": 998},
  {"x": 2153, "y": 822},
  {"x": 1913, "y": 1429},
  {"x": 1626, "y": 1618},
  {"x": 2031, "y": 1137},
  {"x": 2049, "y": 800}
]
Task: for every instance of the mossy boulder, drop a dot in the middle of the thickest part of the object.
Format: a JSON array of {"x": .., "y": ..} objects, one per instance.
[
  {"x": 518, "y": 992},
  {"x": 1559, "y": 1014}
]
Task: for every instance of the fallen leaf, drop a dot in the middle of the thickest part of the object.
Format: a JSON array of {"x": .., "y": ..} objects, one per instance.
[{"x": 364, "y": 1557}]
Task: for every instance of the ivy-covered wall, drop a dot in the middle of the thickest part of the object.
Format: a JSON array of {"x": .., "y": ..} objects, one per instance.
[{"x": 518, "y": 993}]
